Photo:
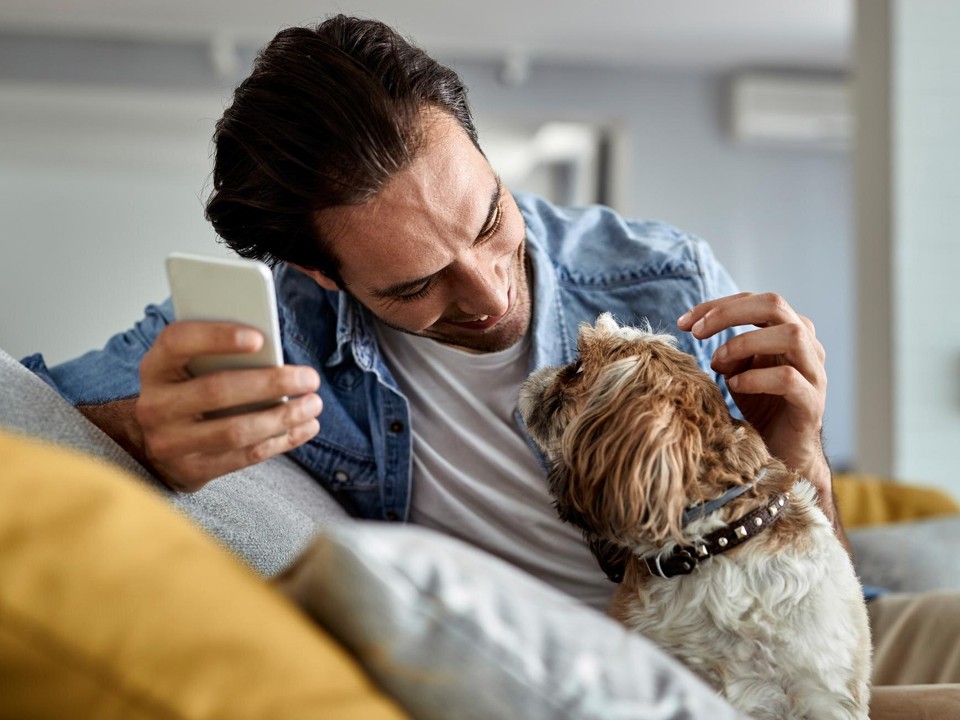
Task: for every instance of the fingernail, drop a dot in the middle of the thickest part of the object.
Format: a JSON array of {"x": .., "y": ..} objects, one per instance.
[
  {"x": 684, "y": 319},
  {"x": 698, "y": 327},
  {"x": 307, "y": 378},
  {"x": 721, "y": 353},
  {"x": 733, "y": 382},
  {"x": 313, "y": 404},
  {"x": 248, "y": 338}
]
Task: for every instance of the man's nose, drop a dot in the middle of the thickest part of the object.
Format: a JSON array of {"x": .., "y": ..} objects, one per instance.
[{"x": 483, "y": 290}]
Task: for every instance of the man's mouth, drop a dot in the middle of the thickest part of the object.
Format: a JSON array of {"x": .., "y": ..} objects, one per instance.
[
  {"x": 484, "y": 322},
  {"x": 481, "y": 323}
]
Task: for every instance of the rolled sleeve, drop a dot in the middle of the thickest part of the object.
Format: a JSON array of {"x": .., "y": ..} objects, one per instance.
[{"x": 112, "y": 373}]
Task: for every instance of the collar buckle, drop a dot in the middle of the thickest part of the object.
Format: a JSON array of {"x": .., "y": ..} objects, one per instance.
[{"x": 679, "y": 562}]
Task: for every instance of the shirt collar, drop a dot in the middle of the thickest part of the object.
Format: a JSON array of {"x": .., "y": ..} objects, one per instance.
[
  {"x": 551, "y": 345},
  {"x": 354, "y": 333}
]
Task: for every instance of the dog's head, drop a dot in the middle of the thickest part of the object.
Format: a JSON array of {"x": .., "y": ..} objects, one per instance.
[{"x": 635, "y": 432}]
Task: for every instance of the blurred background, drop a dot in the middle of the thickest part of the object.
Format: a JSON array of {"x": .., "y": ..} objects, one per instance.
[{"x": 812, "y": 142}]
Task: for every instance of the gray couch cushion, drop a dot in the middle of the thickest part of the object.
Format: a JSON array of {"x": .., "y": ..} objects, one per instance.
[
  {"x": 266, "y": 513},
  {"x": 453, "y": 632}
]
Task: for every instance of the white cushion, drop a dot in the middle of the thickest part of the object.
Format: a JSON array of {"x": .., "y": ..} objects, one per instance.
[{"x": 452, "y": 632}]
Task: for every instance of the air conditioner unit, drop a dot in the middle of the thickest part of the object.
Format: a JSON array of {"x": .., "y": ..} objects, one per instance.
[{"x": 803, "y": 111}]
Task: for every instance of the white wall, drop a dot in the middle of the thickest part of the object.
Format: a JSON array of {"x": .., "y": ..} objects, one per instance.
[
  {"x": 926, "y": 107},
  {"x": 96, "y": 187},
  {"x": 910, "y": 210}
]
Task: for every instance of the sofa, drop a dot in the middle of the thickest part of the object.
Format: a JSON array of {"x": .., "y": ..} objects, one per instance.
[{"x": 120, "y": 598}]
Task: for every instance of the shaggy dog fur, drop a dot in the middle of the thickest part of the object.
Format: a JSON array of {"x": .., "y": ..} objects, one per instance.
[{"x": 635, "y": 433}]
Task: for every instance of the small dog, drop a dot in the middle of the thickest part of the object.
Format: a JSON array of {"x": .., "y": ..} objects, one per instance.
[{"x": 731, "y": 565}]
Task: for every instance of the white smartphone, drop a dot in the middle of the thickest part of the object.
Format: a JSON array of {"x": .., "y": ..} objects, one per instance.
[{"x": 227, "y": 290}]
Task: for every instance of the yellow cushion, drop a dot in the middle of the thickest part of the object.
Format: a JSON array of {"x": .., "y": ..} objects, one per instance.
[
  {"x": 112, "y": 605},
  {"x": 868, "y": 500}
]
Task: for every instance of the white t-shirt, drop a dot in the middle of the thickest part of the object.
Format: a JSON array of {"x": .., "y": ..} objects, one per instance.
[{"x": 474, "y": 476}]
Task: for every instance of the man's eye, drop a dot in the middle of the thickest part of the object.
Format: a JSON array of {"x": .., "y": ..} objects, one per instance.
[
  {"x": 416, "y": 294},
  {"x": 495, "y": 225}
]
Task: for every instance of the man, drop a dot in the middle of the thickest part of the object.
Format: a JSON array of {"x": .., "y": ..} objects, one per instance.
[{"x": 416, "y": 292}]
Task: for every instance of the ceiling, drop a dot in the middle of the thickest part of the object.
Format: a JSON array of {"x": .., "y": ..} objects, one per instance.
[{"x": 719, "y": 34}]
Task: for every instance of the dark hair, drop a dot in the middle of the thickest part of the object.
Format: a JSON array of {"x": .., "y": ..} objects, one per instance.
[{"x": 327, "y": 116}]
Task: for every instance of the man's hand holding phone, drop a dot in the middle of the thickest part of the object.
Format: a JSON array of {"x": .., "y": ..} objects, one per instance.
[
  {"x": 182, "y": 442},
  {"x": 215, "y": 395}
]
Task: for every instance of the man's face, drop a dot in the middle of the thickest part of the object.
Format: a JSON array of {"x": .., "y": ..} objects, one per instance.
[{"x": 439, "y": 252}]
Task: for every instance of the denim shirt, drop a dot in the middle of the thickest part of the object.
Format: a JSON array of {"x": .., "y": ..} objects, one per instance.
[{"x": 585, "y": 261}]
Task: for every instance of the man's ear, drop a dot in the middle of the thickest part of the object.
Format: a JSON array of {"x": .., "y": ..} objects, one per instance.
[{"x": 318, "y": 277}]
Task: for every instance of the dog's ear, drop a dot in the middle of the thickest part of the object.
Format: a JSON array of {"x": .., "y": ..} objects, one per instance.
[
  {"x": 611, "y": 556},
  {"x": 559, "y": 480},
  {"x": 630, "y": 459}
]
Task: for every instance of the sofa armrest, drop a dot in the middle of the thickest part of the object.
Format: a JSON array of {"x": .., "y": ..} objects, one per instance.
[
  {"x": 113, "y": 605},
  {"x": 266, "y": 513}
]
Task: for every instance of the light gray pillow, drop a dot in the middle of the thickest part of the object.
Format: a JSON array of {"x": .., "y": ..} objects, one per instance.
[
  {"x": 266, "y": 513},
  {"x": 909, "y": 556},
  {"x": 452, "y": 632}
]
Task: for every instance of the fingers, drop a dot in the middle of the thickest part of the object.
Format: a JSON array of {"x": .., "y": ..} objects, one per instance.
[
  {"x": 189, "y": 453},
  {"x": 709, "y": 318},
  {"x": 224, "y": 435},
  {"x": 818, "y": 346},
  {"x": 790, "y": 343},
  {"x": 804, "y": 398},
  {"x": 784, "y": 337},
  {"x": 195, "y": 471},
  {"x": 185, "y": 440},
  {"x": 179, "y": 342},
  {"x": 163, "y": 402}
]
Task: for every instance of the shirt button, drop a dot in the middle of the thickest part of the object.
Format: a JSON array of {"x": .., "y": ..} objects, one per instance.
[
  {"x": 392, "y": 516},
  {"x": 396, "y": 426},
  {"x": 340, "y": 476}
]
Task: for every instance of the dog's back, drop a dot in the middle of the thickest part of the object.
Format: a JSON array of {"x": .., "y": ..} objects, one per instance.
[{"x": 778, "y": 626}]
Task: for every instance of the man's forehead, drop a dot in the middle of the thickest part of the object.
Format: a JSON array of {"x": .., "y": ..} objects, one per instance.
[
  {"x": 445, "y": 165},
  {"x": 442, "y": 200}
]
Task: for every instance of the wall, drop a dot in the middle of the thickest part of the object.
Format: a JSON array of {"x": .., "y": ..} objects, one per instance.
[
  {"x": 89, "y": 210},
  {"x": 909, "y": 210},
  {"x": 96, "y": 187},
  {"x": 927, "y": 260}
]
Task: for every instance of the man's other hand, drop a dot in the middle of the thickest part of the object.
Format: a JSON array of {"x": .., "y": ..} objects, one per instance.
[{"x": 775, "y": 373}]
